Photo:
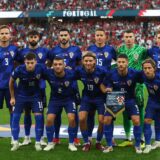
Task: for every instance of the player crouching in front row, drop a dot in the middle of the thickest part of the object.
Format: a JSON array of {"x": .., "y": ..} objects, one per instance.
[
  {"x": 151, "y": 79},
  {"x": 27, "y": 92},
  {"x": 61, "y": 82},
  {"x": 122, "y": 79}
]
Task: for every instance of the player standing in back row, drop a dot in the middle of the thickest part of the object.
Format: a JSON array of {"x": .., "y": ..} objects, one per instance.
[
  {"x": 72, "y": 58},
  {"x": 105, "y": 54},
  {"x": 8, "y": 54},
  {"x": 41, "y": 53}
]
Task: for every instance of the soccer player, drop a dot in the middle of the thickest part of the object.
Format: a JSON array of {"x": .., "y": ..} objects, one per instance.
[
  {"x": 61, "y": 96},
  {"x": 92, "y": 97},
  {"x": 42, "y": 56},
  {"x": 8, "y": 54},
  {"x": 136, "y": 54},
  {"x": 105, "y": 54},
  {"x": 152, "y": 81},
  {"x": 122, "y": 79},
  {"x": 27, "y": 92},
  {"x": 72, "y": 57},
  {"x": 154, "y": 53}
]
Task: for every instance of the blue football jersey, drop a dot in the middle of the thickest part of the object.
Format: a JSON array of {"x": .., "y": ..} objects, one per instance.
[
  {"x": 154, "y": 53},
  {"x": 153, "y": 87},
  {"x": 125, "y": 84},
  {"x": 91, "y": 81},
  {"x": 72, "y": 55},
  {"x": 7, "y": 57},
  {"x": 104, "y": 55},
  {"x": 61, "y": 87},
  {"x": 29, "y": 82},
  {"x": 42, "y": 56}
]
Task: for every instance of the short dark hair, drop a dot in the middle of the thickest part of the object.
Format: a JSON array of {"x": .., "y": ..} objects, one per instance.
[
  {"x": 5, "y": 26},
  {"x": 89, "y": 54},
  {"x": 128, "y": 31},
  {"x": 151, "y": 61},
  {"x": 58, "y": 58},
  {"x": 123, "y": 56},
  {"x": 64, "y": 30},
  {"x": 30, "y": 56},
  {"x": 33, "y": 32}
]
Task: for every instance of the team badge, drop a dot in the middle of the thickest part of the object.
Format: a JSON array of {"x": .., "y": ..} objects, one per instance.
[
  {"x": 12, "y": 53},
  {"x": 40, "y": 55},
  {"x": 71, "y": 54},
  {"x": 66, "y": 83},
  {"x": 38, "y": 76},
  {"x": 136, "y": 56},
  {"x": 106, "y": 54},
  {"x": 155, "y": 87},
  {"x": 96, "y": 80},
  {"x": 129, "y": 82},
  {"x": 120, "y": 100}
]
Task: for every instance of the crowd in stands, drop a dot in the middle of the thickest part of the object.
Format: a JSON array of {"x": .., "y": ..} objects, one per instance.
[
  {"x": 82, "y": 32},
  {"x": 26, "y": 5}
]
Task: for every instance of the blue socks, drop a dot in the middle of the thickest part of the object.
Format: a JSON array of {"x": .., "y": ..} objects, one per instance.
[
  {"x": 57, "y": 125},
  {"x": 77, "y": 123},
  {"x": 38, "y": 127},
  {"x": 72, "y": 133},
  {"x": 90, "y": 124},
  {"x": 27, "y": 124},
  {"x": 50, "y": 131},
  {"x": 11, "y": 118},
  {"x": 137, "y": 135},
  {"x": 85, "y": 136},
  {"x": 147, "y": 133},
  {"x": 157, "y": 128},
  {"x": 15, "y": 125},
  {"x": 108, "y": 132}
]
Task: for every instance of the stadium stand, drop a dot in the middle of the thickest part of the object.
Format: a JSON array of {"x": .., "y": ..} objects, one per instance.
[
  {"x": 82, "y": 31},
  {"x": 23, "y": 5}
]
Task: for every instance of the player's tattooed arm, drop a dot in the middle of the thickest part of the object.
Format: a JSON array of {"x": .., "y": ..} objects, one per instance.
[{"x": 11, "y": 89}]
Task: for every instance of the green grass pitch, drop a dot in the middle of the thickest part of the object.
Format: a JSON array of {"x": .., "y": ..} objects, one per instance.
[{"x": 61, "y": 151}]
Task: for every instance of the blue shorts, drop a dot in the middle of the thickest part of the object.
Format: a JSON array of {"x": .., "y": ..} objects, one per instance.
[
  {"x": 152, "y": 109},
  {"x": 91, "y": 105},
  {"x": 56, "y": 108},
  {"x": 5, "y": 94},
  {"x": 131, "y": 108},
  {"x": 35, "y": 105}
]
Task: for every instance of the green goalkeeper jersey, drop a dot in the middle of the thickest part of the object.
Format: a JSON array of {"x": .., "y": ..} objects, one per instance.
[{"x": 136, "y": 55}]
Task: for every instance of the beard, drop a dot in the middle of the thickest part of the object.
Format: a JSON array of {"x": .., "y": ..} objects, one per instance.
[
  {"x": 63, "y": 41},
  {"x": 33, "y": 43}
]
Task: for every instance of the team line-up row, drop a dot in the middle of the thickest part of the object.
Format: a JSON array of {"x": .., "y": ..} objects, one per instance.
[{"x": 64, "y": 92}]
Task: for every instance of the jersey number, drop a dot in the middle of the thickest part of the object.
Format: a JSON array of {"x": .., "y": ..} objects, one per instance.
[
  {"x": 99, "y": 62},
  {"x": 90, "y": 87},
  {"x": 6, "y": 61},
  {"x": 40, "y": 104}
]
